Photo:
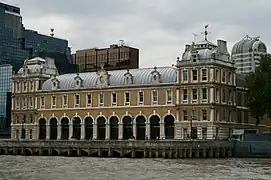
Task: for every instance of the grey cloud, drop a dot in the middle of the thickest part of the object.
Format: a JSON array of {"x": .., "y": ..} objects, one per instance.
[{"x": 159, "y": 28}]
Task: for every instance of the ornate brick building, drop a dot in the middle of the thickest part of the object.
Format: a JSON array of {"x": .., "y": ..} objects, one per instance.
[{"x": 196, "y": 97}]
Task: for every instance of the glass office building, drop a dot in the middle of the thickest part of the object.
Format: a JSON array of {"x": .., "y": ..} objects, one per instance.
[
  {"x": 5, "y": 99},
  {"x": 18, "y": 44}
]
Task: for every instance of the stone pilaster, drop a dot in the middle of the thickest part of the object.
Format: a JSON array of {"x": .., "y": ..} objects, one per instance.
[
  {"x": 120, "y": 131},
  {"x": 58, "y": 131},
  {"x": 82, "y": 131},
  {"x": 134, "y": 130},
  {"x": 162, "y": 131},
  {"x": 107, "y": 131},
  {"x": 47, "y": 131},
  {"x": 94, "y": 131},
  {"x": 70, "y": 131},
  {"x": 148, "y": 131}
]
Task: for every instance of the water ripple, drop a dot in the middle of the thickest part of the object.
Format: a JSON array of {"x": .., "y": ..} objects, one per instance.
[{"x": 63, "y": 168}]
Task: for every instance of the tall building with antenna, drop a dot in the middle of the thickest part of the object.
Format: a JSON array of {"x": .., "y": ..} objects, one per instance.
[
  {"x": 117, "y": 56},
  {"x": 247, "y": 53}
]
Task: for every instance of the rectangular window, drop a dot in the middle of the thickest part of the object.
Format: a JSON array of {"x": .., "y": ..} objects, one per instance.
[
  {"x": 31, "y": 102},
  {"x": 77, "y": 100},
  {"x": 101, "y": 99},
  {"x": 217, "y": 115},
  {"x": 223, "y": 95},
  {"x": 204, "y": 93},
  {"x": 42, "y": 102},
  {"x": 195, "y": 74},
  {"x": 229, "y": 77},
  {"x": 24, "y": 102},
  {"x": 194, "y": 115},
  {"x": 204, "y": 74},
  {"x": 31, "y": 86},
  {"x": 53, "y": 101},
  {"x": 230, "y": 118},
  {"x": 185, "y": 94},
  {"x": 140, "y": 97},
  {"x": 195, "y": 94},
  {"x": 18, "y": 86},
  {"x": 65, "y": 101},
  {"x": 185, "y": 76},
  {"x": 18, "y": 103},
  {"x": 204, "y": 114},
  {"x": 217, "y": 75},
  {"x": 217, "y": 95},
  {"x": 25, "y": 86},
  {"x": 185, "y": 115},
  {"x": 223, "y": 77},
  {"x": 169, "y": 96},
  {"x": 89, "y": 99},
  {"x": 127, "y": 98},
  {"x": 114, "y": 98},
  {"x": 154, "y": 97},
  {"x": 230, "y": 97}
]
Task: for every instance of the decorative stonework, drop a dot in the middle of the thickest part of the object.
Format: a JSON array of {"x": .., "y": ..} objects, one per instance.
[
  {"x": 103, "y": 78},
  {"x": 128, "y": 78},
  {"x": 78, "y": 81},
  {"x": 55, "y": 83},
  {"x": 156, "y": 76}
]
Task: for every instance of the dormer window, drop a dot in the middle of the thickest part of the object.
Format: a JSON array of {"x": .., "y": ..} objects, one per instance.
[
  {"x": 194, "y": 57},
  {"x": 55, "y": 83},
  {"x": 103, "y": 78},
  {"x": 78, "y": 81},
  {"x": 155, "y": 76},
  {"x": 128, "y": 78}
]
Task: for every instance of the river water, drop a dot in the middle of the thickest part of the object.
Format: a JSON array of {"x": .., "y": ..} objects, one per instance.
[{"x": 84, "y": 168}]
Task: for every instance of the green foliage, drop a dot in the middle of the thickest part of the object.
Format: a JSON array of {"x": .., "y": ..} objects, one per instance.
[{"x": 259, "y": 90}]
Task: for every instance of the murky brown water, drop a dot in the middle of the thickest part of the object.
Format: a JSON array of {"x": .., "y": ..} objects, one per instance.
[{"x": 64, "y": 168}]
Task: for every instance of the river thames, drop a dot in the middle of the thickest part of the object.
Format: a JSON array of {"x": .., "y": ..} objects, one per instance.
[{"x": 83, "y": 168}]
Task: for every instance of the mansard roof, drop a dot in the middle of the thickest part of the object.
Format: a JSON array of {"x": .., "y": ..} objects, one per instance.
[{"x": 116, "y": 78}]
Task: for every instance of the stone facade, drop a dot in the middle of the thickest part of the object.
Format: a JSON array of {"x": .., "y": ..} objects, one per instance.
[{"x": 196, "y": 98}]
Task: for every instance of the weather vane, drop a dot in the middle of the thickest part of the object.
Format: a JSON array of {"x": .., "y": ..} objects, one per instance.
[{"x": 206, "y": 32}]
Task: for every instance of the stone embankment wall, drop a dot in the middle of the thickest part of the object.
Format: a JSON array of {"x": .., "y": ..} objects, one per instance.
[{"x": 130, "y": 148}]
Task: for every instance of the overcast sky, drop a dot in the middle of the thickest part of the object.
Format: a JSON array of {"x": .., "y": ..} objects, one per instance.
[{"x": 159, "y": 28}]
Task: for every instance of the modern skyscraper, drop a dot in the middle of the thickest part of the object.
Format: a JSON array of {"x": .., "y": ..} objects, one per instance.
[
  {"x": 247, "y": 53},
  {"x": 5, "y": 99},
  {"x": 18, "y": 44},
  {"x": 113, "y": 58}
]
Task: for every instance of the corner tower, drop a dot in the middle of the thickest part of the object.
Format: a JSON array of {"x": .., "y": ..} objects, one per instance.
[{"x": 207, "y": 90}]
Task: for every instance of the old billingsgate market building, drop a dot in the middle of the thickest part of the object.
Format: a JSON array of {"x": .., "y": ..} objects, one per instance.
[{"x": 200, "y": 96}]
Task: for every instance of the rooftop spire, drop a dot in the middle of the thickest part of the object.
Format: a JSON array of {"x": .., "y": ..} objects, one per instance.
[{"x": 206, "y": 32}]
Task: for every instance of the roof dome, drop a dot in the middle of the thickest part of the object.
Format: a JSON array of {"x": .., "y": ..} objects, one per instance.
[
  {"x": 142, "y": 76},
  {"x": 248, "y": 44}
]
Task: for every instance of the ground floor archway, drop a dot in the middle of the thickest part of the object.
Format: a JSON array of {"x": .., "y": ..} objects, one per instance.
[
  {"x": 127, "y": 127},
  {"x": 169, "y": 127},
  {"x": 155, "y": 127},
  {"x": 101, "y": 128},
  {"x": 65, "y": 128},
  {"x": 53, "y": 128},
  {"x": 42, "y": 129},
  {"x": 88, "y": 128},
  {"x": 76, "y": 128},
  {"x": 114, "y": 128},
  {"x": 140, "y": 128}
]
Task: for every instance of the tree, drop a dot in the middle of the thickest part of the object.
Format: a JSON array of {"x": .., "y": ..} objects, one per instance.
[{"x": 258, "y": 86}]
